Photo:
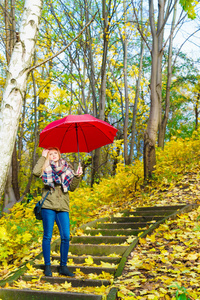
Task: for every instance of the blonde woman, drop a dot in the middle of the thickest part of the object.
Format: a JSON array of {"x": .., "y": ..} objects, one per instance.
[{"x": 58, "y": 177}]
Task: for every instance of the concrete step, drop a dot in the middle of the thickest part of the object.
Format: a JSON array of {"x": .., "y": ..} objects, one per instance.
[
  {"x": 97, "y": 259},
  {"x": 95, "y": 250},
  {"x": 98, "y": 239},
  {"x": 156, "y": 208},
  {"x": 135, "y": 219},
  {"x": 84, "y": 269},
  {"x": 159, "y": 213},
  {"x": 18, "y": 294},
  {"x": 75, "y": 282},
  {"x": 113, "y": 232},
  {"x": 122, "y": 225}
]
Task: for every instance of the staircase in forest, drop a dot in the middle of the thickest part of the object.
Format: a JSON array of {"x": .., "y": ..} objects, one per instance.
[{"x": 104, "y": 242}]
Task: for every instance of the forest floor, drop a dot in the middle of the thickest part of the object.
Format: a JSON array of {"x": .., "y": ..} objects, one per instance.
[{"x": 166, "y": 264}]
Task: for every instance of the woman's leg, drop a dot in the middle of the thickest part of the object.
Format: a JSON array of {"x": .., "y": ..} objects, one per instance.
[
  {"x": 48, "y": 218},
  {"x": 62, "y": 220}
]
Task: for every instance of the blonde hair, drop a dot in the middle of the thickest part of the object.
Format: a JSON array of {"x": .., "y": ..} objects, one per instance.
[{"x": 46, "y": 163}]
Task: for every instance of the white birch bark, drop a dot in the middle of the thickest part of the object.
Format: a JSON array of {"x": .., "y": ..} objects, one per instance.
[{"x": 16, "y": 82}]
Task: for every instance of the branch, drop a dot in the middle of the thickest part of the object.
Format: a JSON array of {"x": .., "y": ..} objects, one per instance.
[
  {"x": 167, "y": 16},
  {"x": 183, "y": 44},
  {"x": 138, "y": 27},
  {"x": 172, "y": 31},
  {"x": 76, "y": 37}
]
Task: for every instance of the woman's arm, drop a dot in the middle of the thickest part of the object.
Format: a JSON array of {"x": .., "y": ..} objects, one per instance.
[
  {"x": 76, "y": 179},
  {"x": 74, "y": 183},
  {"x": 37, "y": 170}
]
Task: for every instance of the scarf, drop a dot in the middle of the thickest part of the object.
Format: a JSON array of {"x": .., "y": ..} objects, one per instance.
[{"x": 61, "y": 174}]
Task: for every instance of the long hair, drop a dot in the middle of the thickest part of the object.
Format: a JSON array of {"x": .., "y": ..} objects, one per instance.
[{"x": 46, "y": 163}]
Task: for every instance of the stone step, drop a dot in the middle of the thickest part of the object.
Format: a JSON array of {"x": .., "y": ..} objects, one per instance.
[
  {"x": 75, "y": 282},
  {"x": 122, "y": 225},
  {"x": 84, "y": 269},
  {"x": 19, "y": 294},
  {"x": 113, "y": 232},
  {"x": 98, "y": 239},
  {"x": 82, "y": 247},
  {"x": 159, "y": 213},
  {"x": 95, "y": 250},
  {"x": 156, "y": 208},
  {"x": 135, "y": 219},
  {"x": 97, "y": 259}
]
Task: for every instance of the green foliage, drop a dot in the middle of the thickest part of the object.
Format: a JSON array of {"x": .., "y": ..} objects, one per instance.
[
  {"x": 189, "y": 7},
  {"x": 181, "y": 293}
]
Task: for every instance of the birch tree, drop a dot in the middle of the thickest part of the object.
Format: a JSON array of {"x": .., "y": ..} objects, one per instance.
[
  {"x": 16, "y": 81},
  {"x": 12, "y": 188}
]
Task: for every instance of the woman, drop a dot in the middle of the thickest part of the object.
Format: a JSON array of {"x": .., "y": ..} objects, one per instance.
[{"x": 58, "y": 177}]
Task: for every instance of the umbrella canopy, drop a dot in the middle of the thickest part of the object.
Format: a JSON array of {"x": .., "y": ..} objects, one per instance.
[{"x": 77, "y": 133}]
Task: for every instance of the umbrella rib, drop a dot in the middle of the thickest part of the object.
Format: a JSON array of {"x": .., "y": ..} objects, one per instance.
[
  {"x": 96, "y": 128},
  {"x": 84, "y": 137}
]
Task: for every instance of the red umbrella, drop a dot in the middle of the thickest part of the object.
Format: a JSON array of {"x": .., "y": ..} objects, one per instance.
[{"x": 77, "y": 133}]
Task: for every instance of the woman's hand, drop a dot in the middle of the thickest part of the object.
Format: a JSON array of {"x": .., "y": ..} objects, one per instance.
[
  {"x": 79, "y": 170},
  {"x": 45, "y": 152}
]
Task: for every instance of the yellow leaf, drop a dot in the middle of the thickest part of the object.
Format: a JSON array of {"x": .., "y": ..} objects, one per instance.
[
  {"x": 130, "y": 239},
  {"x": 3, "y": 234},
  {"x": 7, "y": 285},
  {"x": 66, "y": 285},
  {"x": 142, "y": 241},
  {"x": 79, "y": 232},
  {"x": 29, "y": 266},
  {"x": 89, "y": 260},
  {"x": 192, "y": 256},
  {"x": 151, "y": 238},
  {"x": 26, "y": 237}
]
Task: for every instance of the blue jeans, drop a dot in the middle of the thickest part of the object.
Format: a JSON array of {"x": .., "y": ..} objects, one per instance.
[{"x": 49, "y": 216}]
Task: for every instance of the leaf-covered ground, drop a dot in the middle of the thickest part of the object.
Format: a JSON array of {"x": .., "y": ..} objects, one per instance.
[
  {"x": 163, "y": 264},
  {"x": 166, "y": 264}
]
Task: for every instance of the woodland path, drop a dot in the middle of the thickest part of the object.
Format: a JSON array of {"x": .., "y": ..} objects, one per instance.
[{"x": 104, "y": 244}]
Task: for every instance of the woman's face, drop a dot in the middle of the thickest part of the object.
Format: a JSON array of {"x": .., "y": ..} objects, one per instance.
[{"x": 53, "y": 155}]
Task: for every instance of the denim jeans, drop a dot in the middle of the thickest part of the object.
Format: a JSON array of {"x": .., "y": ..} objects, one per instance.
[{"x": 49, "y": 216}]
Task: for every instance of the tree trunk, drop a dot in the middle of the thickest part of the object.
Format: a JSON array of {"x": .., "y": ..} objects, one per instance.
[
  {"x": 197, "y": 112},
  {"x": 9, "y": 198},
  {"x": 152, "y": 127},
  {"x": 95, "y": 166},
  {"x": 36, "y": 138},
  {"x": 91, "y": 68},
  {"x": 15, "y": 173},
  {"x": 162, "y": 127},
  {"x": 102, "y": 97},
  {"x": 135, "y": 105},
  {"x": 9, "y": 20},
  {"x": 159, "y": 37},
  {"x": 126, "y": 119},
  {"x": 16, "y": 82}
]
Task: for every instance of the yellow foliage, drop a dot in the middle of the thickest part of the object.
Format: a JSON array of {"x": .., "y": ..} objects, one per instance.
[{"x": 20, "y": 230}]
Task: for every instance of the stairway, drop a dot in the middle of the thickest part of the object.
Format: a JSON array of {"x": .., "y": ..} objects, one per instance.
[{"x": 106, "y": 244}]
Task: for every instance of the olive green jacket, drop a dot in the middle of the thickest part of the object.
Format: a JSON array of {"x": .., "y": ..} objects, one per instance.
[{"x": 56, "y": 199}]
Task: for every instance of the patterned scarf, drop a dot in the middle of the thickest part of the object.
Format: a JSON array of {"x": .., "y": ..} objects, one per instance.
[{"x": 61, "y": 174}]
